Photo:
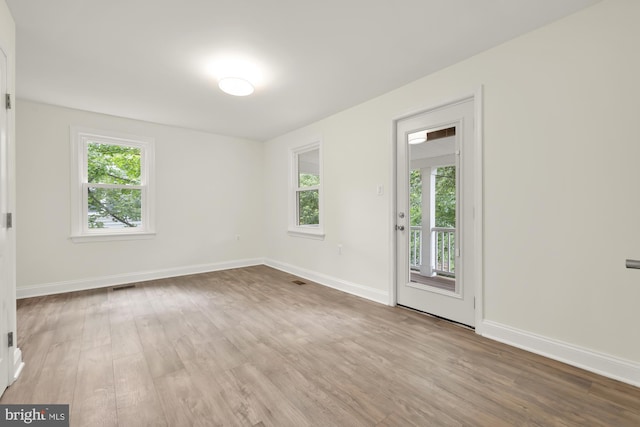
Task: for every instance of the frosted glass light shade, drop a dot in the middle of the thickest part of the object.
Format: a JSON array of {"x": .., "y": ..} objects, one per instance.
[{"x": 235, "y": 86}]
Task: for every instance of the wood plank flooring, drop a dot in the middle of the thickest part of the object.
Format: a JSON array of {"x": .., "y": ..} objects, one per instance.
[{"x": 247, "y": 347}]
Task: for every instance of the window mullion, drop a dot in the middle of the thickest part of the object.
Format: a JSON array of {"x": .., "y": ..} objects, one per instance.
[{"x": 116, "y": 186}]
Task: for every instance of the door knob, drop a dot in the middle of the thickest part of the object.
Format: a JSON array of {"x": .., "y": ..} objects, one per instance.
[{"x": 400, "y": 227}]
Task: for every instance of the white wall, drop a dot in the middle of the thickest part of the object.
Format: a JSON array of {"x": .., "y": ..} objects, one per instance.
[
  {"x": 355, "y": 161},
  {"x": 208, "y": 190},
  {"x": 562, "y": 206}
]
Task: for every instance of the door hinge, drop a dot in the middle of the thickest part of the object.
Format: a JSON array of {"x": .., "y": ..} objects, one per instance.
[
  {"x": 10, "y": 339},
  {"x": 9, "y": 220},
  {"x": 7, "y": 101},
  {"x": 474, "y": 302}
]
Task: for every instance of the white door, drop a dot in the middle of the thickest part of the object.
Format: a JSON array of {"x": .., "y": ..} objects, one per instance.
[
  {"x": 435, "y": 262},
  {"x": 5, "y": 298}
]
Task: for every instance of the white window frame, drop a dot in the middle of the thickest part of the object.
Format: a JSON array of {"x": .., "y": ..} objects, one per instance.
[
  {"x": 80, "y": 231},
  {"x": 308, "y": 231}
]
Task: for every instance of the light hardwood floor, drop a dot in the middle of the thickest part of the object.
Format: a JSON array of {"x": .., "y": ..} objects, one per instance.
[{"x": 248, "y": 347}]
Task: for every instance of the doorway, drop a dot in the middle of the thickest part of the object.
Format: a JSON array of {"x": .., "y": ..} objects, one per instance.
[{"x": 436, "y": 237}]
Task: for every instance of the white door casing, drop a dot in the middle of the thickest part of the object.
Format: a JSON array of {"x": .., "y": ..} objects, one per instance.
[{"x": 6, "y": 371}]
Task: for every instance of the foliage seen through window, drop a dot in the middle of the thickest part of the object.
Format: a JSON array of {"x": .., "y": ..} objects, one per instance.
[
  {"x": 113, "y": 205},
  {"x": 308, "y": 201}
]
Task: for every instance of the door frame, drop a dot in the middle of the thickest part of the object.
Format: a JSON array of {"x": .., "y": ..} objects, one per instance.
[
  {"x": 5, "y": 302},
  {"x": 8, "y": 294},
  {"x": 478, "y": 202}
]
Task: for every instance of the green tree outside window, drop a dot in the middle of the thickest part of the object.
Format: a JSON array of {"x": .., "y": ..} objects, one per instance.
[{"x": 116, "y": 165}]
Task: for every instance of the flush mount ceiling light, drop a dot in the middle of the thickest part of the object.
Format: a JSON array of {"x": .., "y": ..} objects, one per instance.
[
  {"x": 235, "y": 86},
  {"x": 417, "y": 138},
  {"x": 236, "y": 74}
]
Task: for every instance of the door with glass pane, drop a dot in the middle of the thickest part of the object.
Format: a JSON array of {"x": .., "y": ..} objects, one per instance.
[{"x": 435, "y": 227}]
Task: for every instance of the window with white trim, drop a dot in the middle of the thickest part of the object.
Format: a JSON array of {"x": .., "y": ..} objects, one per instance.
[
  {"x": 111, "y": 185},
  {"x": 305, "y": 218}
]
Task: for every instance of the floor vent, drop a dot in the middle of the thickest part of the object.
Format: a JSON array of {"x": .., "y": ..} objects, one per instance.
[
  {"x": 298, "y": 282},
  {"x": 119, "y": 288}
]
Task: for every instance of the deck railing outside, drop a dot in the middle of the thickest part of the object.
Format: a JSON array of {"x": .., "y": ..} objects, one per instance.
[
  {"x": 415, "y": 247},
  {"x": 445, "y": 241}
]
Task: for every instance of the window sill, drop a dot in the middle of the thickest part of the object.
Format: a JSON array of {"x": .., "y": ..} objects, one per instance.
[
  {"x": 110, "y": 237},
  {"x": 306, "y": 233}
]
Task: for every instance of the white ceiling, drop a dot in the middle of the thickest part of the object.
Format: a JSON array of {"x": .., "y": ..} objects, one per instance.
[{"x": 145, "y": 59}]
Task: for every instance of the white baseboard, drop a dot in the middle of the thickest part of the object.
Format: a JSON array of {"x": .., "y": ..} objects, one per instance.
[
  {"x": 362, "y": 291},
  {"x": 18, "y": 364},
  {"x": 121, "y": 279},
  {"x": 599, "y": 363}
]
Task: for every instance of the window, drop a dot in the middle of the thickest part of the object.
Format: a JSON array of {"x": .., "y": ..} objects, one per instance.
[
  {"x": 306, "y": 192},
  {"x": 111, "y": 192}
]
